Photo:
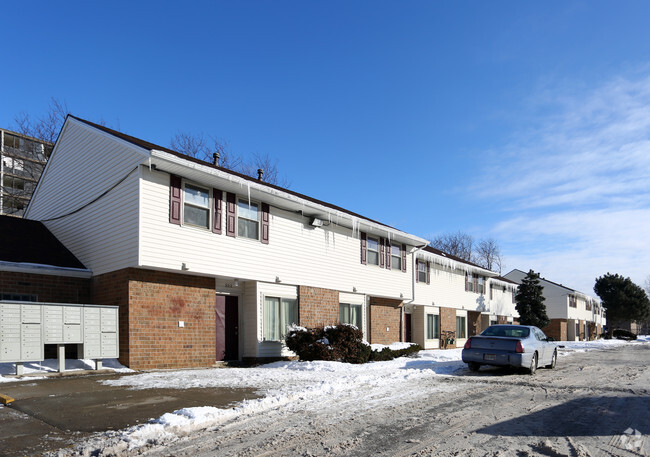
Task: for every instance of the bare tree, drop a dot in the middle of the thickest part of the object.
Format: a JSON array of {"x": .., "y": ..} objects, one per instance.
[
  {"x": 203, "y": 147},
  {"x": 44, "y": 128},
  {"x": 488, "y": 255},
  {"x": 458, "y": 244},
  {"x": 24, "y": 155}
]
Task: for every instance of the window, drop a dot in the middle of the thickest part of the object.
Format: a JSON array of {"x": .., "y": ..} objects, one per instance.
[
  {"x": 573, "y": 302},
  {"x": 491, "y": 292},
  {"x": 10, "y": 182},
  {"x": 373, "y": 251},
  {"x": 196, "y": 208},
  {"x": 248, "y": 219},
  {"x": 396, "y": 257},
  {"x": 461, "y": 324},
  {"x": 351, "y": 314},
  {"x": 13, "y": 164},
  {"x": 469, "y": 282},
  {"x": 588, "y": 305},
  {"x": 433, "y": 326},
  {"x": 278, "y": 314},
  {"x": 481, "y": 285},
  {"x": 12, "y": 141},
  {"x": 422, "y": 271}
]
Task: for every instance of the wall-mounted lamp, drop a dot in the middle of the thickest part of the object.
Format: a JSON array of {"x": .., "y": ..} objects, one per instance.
[
  {"x": 184, "y": 267},
  {"x": 401, "y": 295},
  {"x": 236, "y": 282},
  {"x": 315, "y": 222},
  {"x": 277, "y": 279},
  {"x": 354, "y": 289}
]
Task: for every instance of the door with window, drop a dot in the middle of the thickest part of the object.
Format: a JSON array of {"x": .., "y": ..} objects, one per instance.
[{"x": 227, "y": 326}]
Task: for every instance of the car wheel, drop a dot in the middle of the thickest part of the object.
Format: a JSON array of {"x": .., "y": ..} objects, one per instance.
[
  {"x": 473, "y": 366},
  {"x": 533, "y": 364},
  {"x": 553, "y": 360}
]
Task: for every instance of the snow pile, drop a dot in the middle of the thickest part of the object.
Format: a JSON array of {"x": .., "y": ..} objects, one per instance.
[{"x": 52, "y": 366}]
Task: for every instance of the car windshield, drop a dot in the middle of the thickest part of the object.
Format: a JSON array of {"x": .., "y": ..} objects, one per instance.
[{"x": 506, "y": 330}]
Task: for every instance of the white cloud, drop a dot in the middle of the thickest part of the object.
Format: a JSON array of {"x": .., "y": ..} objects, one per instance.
[{"x": 574, "y": 188}]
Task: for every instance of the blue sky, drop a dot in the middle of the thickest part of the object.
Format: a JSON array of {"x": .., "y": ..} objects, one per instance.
[{"x": 528, "y": 122}]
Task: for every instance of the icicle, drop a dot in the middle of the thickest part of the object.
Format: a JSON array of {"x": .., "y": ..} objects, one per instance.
[{"x": 248, "y": 185}]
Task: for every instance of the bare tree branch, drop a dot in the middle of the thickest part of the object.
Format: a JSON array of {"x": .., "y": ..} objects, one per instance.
[
  {"x": 458, "y": 244},
  {"x": 488, "y": 255}
]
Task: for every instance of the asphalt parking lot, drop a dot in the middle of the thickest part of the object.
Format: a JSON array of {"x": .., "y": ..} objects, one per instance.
[{"x": 48, "y": 414}]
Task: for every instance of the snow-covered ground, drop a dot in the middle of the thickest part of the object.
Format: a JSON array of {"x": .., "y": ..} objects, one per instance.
[{"x": 288, "y": 385}]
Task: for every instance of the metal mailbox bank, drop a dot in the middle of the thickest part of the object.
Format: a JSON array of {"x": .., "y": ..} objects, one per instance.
[{"x": 25, "y": 329}]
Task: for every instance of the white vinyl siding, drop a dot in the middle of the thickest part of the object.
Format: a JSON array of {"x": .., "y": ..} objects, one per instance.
[
  {"x": 104, "y": 234},
  {"x": 296, "y": 254}
]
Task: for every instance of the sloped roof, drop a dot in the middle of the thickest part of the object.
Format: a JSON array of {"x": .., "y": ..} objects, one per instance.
[
  {"x": 151, "y": 146},
  {"x": 30, "y": 242}
]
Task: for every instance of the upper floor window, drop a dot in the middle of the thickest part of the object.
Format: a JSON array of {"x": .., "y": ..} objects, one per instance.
[
  {"x": 395, "y": 256},
  {"x": 469, "y": 282},
  {"x": 422, "y": 271},
  {"x": 373, "y": 251},
  {"x": 248, "y": 219},
  {"x": 196, "y": 206},
  {"x": 573, "y": 303},
  {"x": 13, "y": 164},
  {"x": 481, "y": 285}
]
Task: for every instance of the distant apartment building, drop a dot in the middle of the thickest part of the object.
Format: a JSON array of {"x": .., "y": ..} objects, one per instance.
[{"x": 22, "y": 160}]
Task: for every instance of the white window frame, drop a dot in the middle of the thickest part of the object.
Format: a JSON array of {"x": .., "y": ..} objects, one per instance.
[
  {"x": 396, "y": 260},
  {"x": 349, "y": 306},
  {"x": 276, "y": 332},
  {"x": 464, "y": 335},
  {"x": 369, "y": 250},
  {"x": 481, "y": 285},
  {"x": 258, "y": 226},
  {"x": 422, "y": 269},
  {"x": 470, "y": 282},
  {"x": 436, "y": 328},
  {"x": 196, "y": 205}
]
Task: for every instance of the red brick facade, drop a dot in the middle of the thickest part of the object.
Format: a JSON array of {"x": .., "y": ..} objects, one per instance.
[
  {"x": 473, "y": 323},
  {"x": 385, "y": 320},
  {"x": 556, "y": 329},
  {"x": 150, "y": 336},
  {"x": 46, "y": 288},
  {"x": 448, "y": 322},
  {"x": 318, "y": 306}
]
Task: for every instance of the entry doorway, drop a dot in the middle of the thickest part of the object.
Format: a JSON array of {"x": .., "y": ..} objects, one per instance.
[
  {"x": 408, "y": 329},
  {"x": 227, "y": 326}
]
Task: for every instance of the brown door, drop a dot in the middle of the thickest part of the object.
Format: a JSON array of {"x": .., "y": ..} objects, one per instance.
[
  {"x": 227, "y": 326},
  {"x": 407, "y": 328}
]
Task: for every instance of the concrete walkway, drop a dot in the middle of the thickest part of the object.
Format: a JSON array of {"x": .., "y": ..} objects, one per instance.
[{"x": 52, "y": 413}]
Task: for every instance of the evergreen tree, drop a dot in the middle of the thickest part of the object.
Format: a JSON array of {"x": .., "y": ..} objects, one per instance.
[
  {"x": 530, "y": 301},
  {"x": 623, "y": 300}
]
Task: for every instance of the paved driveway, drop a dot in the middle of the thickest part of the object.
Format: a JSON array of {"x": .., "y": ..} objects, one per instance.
[{"x": 48, "y": 414}]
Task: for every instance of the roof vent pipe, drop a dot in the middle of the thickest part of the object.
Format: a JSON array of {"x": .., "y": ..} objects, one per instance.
[
  {"x": 260, "y": 174},
  {"x": 215, "y": 158}
]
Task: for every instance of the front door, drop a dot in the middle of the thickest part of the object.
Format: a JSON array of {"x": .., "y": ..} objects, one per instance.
[
  {"x": 407, "y": 328},
  {"x": 227, "y": 326}
]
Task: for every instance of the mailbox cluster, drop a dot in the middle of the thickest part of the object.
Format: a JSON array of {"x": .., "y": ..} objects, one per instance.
[{"x": 25, "y": 328}]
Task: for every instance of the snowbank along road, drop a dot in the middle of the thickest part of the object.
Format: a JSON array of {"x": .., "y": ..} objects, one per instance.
[{"x": 594, "y": 403}]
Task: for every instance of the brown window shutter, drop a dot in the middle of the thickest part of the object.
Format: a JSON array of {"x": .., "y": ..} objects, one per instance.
[
  {"x": 475, "y": 284},
  {"x": 364, "y": 242},
  {"x": 466, "y": 282},
  {"x": 175, "y": 199},
  {"x": 417, "y": 270},
  {"x": 217, "y": 199},
  {"x": 265, "y": 223},
  {"x": 404, "y": 258},
  {"x": 389, "y": 252},
  {"x": 231, "y": 214},
  {"x": 382, "y": 252},
  {"x": 428, "y": 272}
]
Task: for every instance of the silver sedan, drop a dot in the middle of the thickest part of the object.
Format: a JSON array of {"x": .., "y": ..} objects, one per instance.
[{"x": 522, "y": 346}]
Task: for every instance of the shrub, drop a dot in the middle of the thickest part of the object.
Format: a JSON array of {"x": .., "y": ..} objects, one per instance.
[
  {"x": 621, "y": 334},
  {"x": 342, "y": 343}
]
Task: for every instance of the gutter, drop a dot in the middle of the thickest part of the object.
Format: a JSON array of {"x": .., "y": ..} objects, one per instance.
[{"x": 40, "y": 269}]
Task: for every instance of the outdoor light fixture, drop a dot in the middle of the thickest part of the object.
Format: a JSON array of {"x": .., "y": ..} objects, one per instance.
[
  {"x": 236, "y": 282},
  {"x": 315, "y": 222},
  {"x": 277, "y": 279},
  {"x": 184, "y": 267}
]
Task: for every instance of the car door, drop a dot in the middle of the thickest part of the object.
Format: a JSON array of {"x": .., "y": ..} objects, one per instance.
[{"x": 544, "y": 354}]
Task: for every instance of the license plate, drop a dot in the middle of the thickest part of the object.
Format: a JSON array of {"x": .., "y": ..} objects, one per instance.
[{"x": 489, "y": 357}]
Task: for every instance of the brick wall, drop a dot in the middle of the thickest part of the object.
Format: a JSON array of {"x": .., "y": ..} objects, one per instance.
[
  {"x": 47, "y": 288},
  {"x": 151, "y": 305},
  {"x": 556, "y": 329},
  {"x": 582, "y": 332},
  {"x": 448, "y": 322},
  {"x": 473, "y": 323},
  {"x": 318, "y": 306},
  {"x": 385, "y": 320}
]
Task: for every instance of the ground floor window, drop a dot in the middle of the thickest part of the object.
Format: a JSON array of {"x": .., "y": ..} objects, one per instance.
[
  {"x": 461, "y": 326},
  {"x": 351, "y": 314},
  {"x": 433, "y": 326},
  {"x": 278, "y": 314}
]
